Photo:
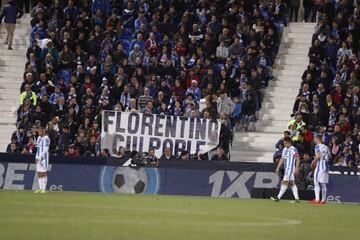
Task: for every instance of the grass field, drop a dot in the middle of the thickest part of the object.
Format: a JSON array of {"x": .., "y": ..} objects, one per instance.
[{"x": 72, "y": 215}]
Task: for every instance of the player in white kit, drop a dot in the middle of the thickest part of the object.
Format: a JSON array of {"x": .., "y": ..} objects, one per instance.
[
  {"x": 321, "y": 173},
  {"x": 291, "y": 161},
  {"x": 42, "y": 159}
]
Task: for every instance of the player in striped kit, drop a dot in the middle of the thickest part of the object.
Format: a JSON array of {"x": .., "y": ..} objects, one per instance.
[
  {"x": 321, "y": 174},
  {"x": 42, "y": 159},
  {"x": 291, "y": 161}
]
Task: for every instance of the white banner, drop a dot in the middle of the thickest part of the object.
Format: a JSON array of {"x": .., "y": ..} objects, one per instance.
[{"x": 138, "y": 131}]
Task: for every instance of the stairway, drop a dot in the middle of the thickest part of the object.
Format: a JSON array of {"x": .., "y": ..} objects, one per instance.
[
  {"x": 12, "y": 64},
  {"x": 280, "y": 96}
]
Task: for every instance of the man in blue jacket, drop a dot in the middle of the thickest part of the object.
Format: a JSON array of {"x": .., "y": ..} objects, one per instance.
[
  {"x": 104, "y": 5},
  {"x": 10, "y": 12}
]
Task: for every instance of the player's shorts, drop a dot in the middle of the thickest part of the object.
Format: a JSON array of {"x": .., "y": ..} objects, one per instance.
[
  {"x": 42, "y": 166},
  {"x": 289, "y": 176},
  {"x": 321, "y": 176}
]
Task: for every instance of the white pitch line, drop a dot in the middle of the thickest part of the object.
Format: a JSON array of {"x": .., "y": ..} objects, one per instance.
[{"x": 269, "y": 221}]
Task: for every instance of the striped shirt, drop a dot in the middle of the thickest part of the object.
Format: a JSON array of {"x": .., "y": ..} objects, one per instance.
[
  {"x": 323, "y": 163},
  {"x": 42, "y": 150},
  {"x": 289, "y": 155}
]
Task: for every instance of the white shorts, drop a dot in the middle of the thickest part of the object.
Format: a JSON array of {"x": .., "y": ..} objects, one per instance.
[
  {"x": 321, "y": 176},
  {"x": 289, "y": 176},
  {"x": 42, "y": 166}
]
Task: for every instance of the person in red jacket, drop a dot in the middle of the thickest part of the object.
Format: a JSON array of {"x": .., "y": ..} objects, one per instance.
[
  {"x": 192, "y": 76},
  {"x": 180, "y": 47},
  {"x": 178, "y": 90},
  {"x": 151, "y": 45},
  {"x": 72, "y": 151}
]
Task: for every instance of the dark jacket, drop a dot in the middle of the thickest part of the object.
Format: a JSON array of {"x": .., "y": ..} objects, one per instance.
[{"x": 10, "y": 12}]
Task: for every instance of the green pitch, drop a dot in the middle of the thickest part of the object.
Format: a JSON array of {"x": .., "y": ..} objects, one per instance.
[{"x": 71, "y": 215}]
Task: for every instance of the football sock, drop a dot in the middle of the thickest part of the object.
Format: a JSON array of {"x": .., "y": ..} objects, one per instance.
[
  {"x": 294, "y": 189},
  {"x": 323, "y": 192},
  {"x": 282, "y": 191},
  {"x": 40, "y": 182},
  {"x": 317, "y": 191},
  {"x": 44, "y": 182}
]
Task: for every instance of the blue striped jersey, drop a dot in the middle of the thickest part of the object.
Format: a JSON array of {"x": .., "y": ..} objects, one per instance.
[
  {"x": 323, "y": 163},
  {"x": 289, "y": 155},
  {"x": 42, "y": 148}
]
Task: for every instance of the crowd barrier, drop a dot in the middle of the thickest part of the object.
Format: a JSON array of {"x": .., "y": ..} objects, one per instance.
[{"x": 215, "y": 179}]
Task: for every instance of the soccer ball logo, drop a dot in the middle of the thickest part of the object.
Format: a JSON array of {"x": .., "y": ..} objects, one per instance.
[{"x": 129, "y": 180}]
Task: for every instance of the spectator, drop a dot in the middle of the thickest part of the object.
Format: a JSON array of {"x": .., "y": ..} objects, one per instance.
[
  {"x": 103, "y": 5},
  {"x": 65, "y": 139},
  {"x": 184, "y": 156},
  {"x": 219, "y": 156},
  {"x": 28, "y": 95},
  {"x": 105, "y": 153},
  {"x": 154, "y": 161},
  {"x": 10, "y": 12},
  {"x": 72, "y": 151},
  {"x": 167, "y": 156},
  {"x": 12, "y": 148},
  {"x": 225, "y": 104},
  {"x": 248, "y": 114}
]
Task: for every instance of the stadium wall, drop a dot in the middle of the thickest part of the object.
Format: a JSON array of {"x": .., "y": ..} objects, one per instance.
[{"x": 240, "y": 180}]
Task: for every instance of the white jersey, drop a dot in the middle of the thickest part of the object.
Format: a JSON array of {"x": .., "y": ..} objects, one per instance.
[
  {"x": 321, "y": 173},
  {"x": 289, "y": 156},
  {"x": 42, "y": 153}
]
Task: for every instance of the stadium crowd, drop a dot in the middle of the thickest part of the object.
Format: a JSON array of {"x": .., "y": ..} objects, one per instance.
[
  {"x": 210, "y": 59},
  {"x": 328, "y": 100}
]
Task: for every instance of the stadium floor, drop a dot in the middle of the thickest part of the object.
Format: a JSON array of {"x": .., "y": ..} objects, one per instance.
[{"x": 74, "y": 215}]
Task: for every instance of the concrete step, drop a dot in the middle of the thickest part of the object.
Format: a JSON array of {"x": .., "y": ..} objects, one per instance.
[
  {"x": 297, "y": 57},
  {"x": 284, "y": 52},
  {"x": 17, "y": 37},
  {"x": 12, "y": 74},
  {"x": 299, "y": 40},
  {"x": 291, "y": 69},
  {"x": 292, "y": 45},
  {"x": 272, "y": 117},
  {"x": 281, "y": 106},
  {"x": 280, "y": 93},
  {"x": 260, "y": 128},
  {"x": 8, "y": 110},
  {"x": 15, "y": 61},
  {"x": 245, "y": 147},
  {"x": 245, "y": 154},
  {"x": 288, "y": 73},
  {"x": 7, "y": 120},
  {"x": 21, "y": 27},
  {"x": 14, "y": 102},
  {"x": 283, "y": 97},
  {"x": 256, "y": 136},
  {"x": 277, "y": 112},
  {"x": 275, "y": 123},
  {"x": 298, "y": 30},
  {"x": 309, "y": 26},
  {"x": 16, "y": 46},
  {"x": 289, "y": 79},
  {"x": 10, "y": 87},
  {"x": 297, "y": 35},
  {"x": 236, "y": 157},
  {"x": 9, "y": 96},
  {"x": 272, "y": 107},
  {"x": 15, "y": 52},
  {"x": 285, "y": 84},
  {"x": 292, "y": 61},
  {"x": 275, "y": 89}
]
